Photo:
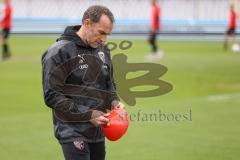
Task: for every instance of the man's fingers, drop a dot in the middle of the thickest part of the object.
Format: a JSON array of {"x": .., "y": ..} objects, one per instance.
[
  {"x": 107, "y": 114},
  {"x": 119, "y": 105},
  {"x": 96, "y": 113},
  {"x": 103, "y": 120},
  {"x": 99, "y": 121}
]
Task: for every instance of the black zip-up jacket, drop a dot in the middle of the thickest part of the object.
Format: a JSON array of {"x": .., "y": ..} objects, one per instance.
[{"x": 76, "y": 80}]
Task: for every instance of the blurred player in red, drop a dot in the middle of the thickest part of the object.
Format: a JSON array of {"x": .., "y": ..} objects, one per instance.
[
  {"x": 155, "y": 26},
  {"x": 5, "y": 26},
  {"x": 231, "y": 30}
]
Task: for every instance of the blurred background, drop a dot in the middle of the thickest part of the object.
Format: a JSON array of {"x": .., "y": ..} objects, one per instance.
[
  {"x": 205, "y": 79},
  {"x": 177, "y": 16}
]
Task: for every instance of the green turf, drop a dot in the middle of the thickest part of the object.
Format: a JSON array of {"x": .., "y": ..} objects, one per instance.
[{"x": 206, "y": 81}]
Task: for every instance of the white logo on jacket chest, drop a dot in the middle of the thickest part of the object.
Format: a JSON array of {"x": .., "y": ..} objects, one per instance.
[
  {"x": 81, "y": 59},
  {"x": 101, "y": 56},
  {"x": 84, "y": 66}
]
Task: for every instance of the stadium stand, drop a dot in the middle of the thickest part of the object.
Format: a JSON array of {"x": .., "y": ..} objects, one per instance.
[{"x": 132, "y": 16}]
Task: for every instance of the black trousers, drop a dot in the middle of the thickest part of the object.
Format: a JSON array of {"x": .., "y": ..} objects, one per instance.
[
  {"x": 5, "y": 49},
  {"x": 152, "y": 40},
  {"x": 231, "y": 31},
  {"x": 80, "y": 150},
  {"x": 5, "y": 33}
]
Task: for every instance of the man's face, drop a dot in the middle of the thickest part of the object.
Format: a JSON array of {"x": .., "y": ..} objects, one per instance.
[
  {"x": 232, "y": 7},
  {"x": 153, "y": 2},
  {"x": 4, "y": 1},
  {"x": 97, "y": 33}
]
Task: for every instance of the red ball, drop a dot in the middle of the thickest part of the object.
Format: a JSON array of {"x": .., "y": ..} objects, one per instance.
[{"x": 118, "y": 124}]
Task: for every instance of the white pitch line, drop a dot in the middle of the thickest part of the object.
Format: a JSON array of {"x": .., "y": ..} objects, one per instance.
[{"x": 223, "y": 97}]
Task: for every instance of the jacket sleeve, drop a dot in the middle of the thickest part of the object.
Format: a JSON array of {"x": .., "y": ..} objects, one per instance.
[
  {"x": 114, "y": 88},
  {"x": 63, "y": 106},
  {"x": 111, "y": 83}
]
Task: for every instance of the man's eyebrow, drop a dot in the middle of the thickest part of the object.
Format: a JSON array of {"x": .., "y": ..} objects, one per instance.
[{"x": 103, "y": 32}]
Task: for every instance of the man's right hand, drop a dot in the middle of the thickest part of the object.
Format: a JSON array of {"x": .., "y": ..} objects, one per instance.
[{"x": 98, "y": 118}]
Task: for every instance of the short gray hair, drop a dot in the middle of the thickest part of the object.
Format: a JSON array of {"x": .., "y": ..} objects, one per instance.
[{"x": 95, "y": 12}]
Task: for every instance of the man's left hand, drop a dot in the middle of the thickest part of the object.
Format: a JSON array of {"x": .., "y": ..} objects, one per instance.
[{"x": 117, "y": 104}]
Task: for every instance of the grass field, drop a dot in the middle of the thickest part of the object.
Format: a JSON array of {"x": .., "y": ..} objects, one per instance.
[{"x": 206, "y": 81}]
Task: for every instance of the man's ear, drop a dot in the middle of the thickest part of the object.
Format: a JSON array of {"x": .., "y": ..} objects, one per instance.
[{"x": 87, "y": 23}]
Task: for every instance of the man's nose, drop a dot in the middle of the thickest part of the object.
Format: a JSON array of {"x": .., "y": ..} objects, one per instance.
[{"x": 103, "y": 38}]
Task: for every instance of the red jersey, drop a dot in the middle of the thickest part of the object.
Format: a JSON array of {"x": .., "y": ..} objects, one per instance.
[
  {"x": 155, "y": 15},
  {"x": 233, "y": 20},
  {"x": 7, "y": 17}
]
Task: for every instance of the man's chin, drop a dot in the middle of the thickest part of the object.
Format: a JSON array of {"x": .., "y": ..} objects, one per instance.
[
  {"x": 95, "y": 45},
  {"x": 92, "y": 45}
]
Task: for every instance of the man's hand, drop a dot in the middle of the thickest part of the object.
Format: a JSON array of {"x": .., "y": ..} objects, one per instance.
[
  {"x": 117, "y": 104},
  {"x": 98, "y": 118}
]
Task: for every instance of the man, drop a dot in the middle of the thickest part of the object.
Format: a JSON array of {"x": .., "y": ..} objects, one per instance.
[
  {"x": 155, "y": 26},
  {"x": 78, "y": 85},
  {"x": 5, "y": 25},
  {"x": 231, "y": 30}
]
